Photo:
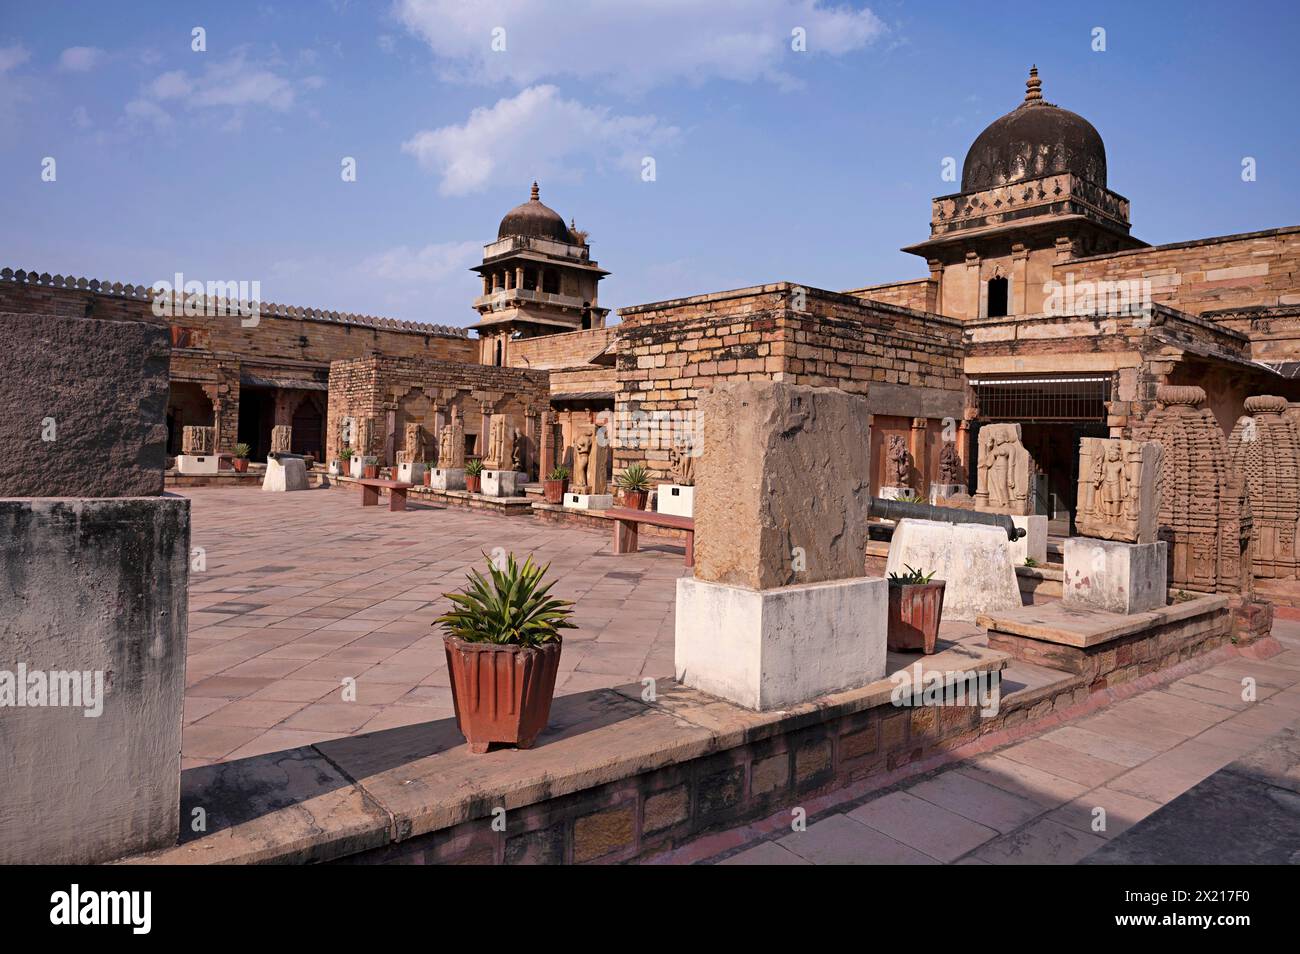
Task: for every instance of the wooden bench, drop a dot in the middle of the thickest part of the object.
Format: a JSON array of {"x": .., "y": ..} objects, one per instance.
[
  {"x": 626, "y": 521},
  {"x": 371, "y": 486}
]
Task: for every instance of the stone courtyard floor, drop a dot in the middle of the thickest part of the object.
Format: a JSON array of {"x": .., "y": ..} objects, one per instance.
[
  {"x": 303, "y": 590},
  {"x": 1035, "y": 801}
]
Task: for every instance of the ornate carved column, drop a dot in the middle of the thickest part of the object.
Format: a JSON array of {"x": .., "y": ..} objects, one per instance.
[
  {"x": 485, "y": 430},
  {"x": 547, "y": 444},
  {"x": 916, "y": 446}
]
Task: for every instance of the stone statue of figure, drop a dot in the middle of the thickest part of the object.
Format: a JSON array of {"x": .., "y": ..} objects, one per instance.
[
  {"x": 897, "y": 462},
  {"x": 197, "y": 441},
  {"x": 451, "y": 443},
  {"x": 681, "y": 460},
  {"x": 281, "y": 439},
  {"x": 497, "y": 446},
  {"x": 414, "y": 450},
  {"x": 949, "y": 465},
  {"x": 517, "y": 451},
  {"x": 583, "y": 444},
  {"x": 1000, "y": 470},
  {"x": 1112, "y": 483}
]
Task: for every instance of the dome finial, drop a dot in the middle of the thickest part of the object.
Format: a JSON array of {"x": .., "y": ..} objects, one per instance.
[
  {"x": 1033, "y": 86},
  {"x": 535, "y": 195}
]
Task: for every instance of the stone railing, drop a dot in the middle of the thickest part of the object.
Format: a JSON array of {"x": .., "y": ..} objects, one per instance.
[{"x": 950, "y": 211}]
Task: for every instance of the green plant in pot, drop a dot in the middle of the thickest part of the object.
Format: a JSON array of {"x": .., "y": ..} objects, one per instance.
[
  {"x": 474, "y": 476},
  {"x": 555, "y": 485},
  {"x": 503, "y": 647},
  {"x": 634, "y": 482},
  {"x": 915, "y": 610},
  {"x": 241, "y": 457}
]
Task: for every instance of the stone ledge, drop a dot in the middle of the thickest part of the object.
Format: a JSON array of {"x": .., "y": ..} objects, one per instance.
[{"x": 1084, "y": 628}]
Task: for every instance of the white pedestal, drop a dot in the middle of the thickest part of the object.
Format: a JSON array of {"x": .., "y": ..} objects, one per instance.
[
  {"x": 675, "y": 499},
  {"x": 943, "y": 491},
  {"x": 290, "y": 473},
  {"x": 895, "y": 493},
  {"x": 501, "y": 483},
  {"x": 412, "y": 473},
  {"x": 768, "y": 649},
  {"x": 189, "y": 464},
  {"x": 1033, "y": 544},
  {"x": 335, "y": 468},
  {"x": 359, "y": 462},
  {"x": 447, "y": 478},
  {"x": 972, "y": 559},
  {"x": 589, "y": 501},
  {"x": 1110, "y": 575}
]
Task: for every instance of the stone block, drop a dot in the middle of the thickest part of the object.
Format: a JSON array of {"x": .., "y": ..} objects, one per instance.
[
  {"x": 85, "y": 405},
  {"x": 206, "y": 464},
  {"x": 768, "y": 649},
  {"x": 282, "y": 439},
  {"x": 1115, "y": 576},
  {"x": 675, "y": 499},
  {"x": 503, "y": 483},
  {"x": 1119, "y": 489},
  {"x": 782, "y": 466},
  {"x": 95, "y": 589},
  {"x": 359, "y": 461},
  {"x": 1033, "y": 545},
  {"x": 447, "y": 478},
  {"x": 411, "y": 472},
  {"x": 972, "y": 559},
  {"x": 284, "y": 474},
  {"x": 589, "y": 501}
]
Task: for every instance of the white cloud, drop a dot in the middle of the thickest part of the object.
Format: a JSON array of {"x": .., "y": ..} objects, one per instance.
[
  {"x": 536, "y": 134},
  {"x": 234, "y": 85},
  {"x": 432, "y": 263},
  {"x": 634, "y": 45},
  {"x": 147, "y": 110},
  {"x": 11, "y": 57},
  {"x": 13, "y": 89},
  {"x": 80, "y": 59}
]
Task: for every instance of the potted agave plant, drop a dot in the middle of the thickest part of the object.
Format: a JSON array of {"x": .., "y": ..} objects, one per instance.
[
  {"x": 915, "y": 611},
  {"x": 555, "y": 485},
  {"x": 345, "y": 462},
  {"x": 634, "y": 482},
  {"x": 474, "y": 476},
  {"x": 429, "y": 465},
  {"x": 503, "y": 652},
  {"x": 241, "y": 458}
]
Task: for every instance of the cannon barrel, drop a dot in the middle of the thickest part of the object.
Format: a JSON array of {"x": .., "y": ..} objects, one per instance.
[{"x": 906, "y": 510}]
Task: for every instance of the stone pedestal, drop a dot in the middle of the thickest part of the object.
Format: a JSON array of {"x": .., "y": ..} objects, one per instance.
[
  {"x": 945, "y": 492},
  {"x": 447, "y": 478},
  {"x": 411, "y": 473},
  {"x": 356, "y": 465},
  {"x": 972, "y": 559},
  {"x": 190, "y": 464},
  {"x": 895, "y": 493},
  {"x": 589, "y": 501},
  {"x": 95, "y": 609},
  {"x": 1033, "y": 545},
  {"x": 335, "y": 468},
  {"x": 767, "y": 649},
  {"x": 503, "y": 483},
  {"x": 286, "y": 473},
  {"x": 675, "y": 499},
  {"x": 1115, "y": 576}
]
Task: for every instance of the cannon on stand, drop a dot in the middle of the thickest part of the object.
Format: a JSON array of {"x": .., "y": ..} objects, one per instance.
[{"x": 906, "y": 510}]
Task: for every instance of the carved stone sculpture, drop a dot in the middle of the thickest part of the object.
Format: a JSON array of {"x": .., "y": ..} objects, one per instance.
[
  {"x": 1264, "y": 451},
  {"x": 517, "y": 451},
  {"x": 198, "y": 441},
  {"x": 898, "y": 462},
  {"x": 949, "y": 466},
  {"x": 347, "y": 432},
  {"x": 415, "y": 449},
  {"x": 498, "y": 445},
  {"x": 590, "y": 462},
  {"x": 365, "y": 429},
  {"x": 451, "y": 443},
  {"x": 281, "y": 439},
  {"x": 1119, "y": 490},
  {"x": 1005, "y": 471},
  {"x": 681, "y": 460},
  {"x": 1204, "y": 506}
]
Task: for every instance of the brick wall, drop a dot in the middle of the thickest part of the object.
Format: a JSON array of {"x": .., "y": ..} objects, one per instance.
[
  {"x": 566, "y": 350},
  {"x": 919, "y": 294}
]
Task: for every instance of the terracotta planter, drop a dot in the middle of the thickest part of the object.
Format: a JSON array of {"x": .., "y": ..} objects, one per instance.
[
  {"x": 370, "y": 471},
  {"x": 428, "y": 476},
  {"x": 474, "y": 483},
  {"x": 241, "y": 465},
  {"x": 915, "y": 611},
  {"x": 553, "y": 490},
  {"x": 635, "y": 499},
  {"x": 501, "y": 693}
]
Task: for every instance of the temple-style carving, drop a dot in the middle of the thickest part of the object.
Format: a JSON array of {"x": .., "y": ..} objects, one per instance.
[
  {"x": 1264, "y": 451},
  {"x": 1005, "y": 471},
  {"x": 1119, "y": 490},
  {"x": 451, "y": 443},
  {"x": 898, "y": 463},
  {"x": 950, "y": 466},
  {"x": 281, "y": 439},
  {"x": 497, "y": 456},
  {"x": 198, "y": 441}
]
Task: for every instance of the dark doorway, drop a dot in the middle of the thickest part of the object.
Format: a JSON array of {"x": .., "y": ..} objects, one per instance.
[
  {"x": 309, "y": 429},
  {"x": 256, "y": 412},
  {"x": 998, "y": 295}
]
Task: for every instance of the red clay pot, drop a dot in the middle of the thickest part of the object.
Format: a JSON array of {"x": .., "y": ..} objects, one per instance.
[
  {"x": 474, "y": 483},
  {"x": 370, "y": 471},
  {"x": 553, "y": 490},
  {"x": 635, "y": 499},
  {"x": 501, "y": 693},
  {"x": 240, "y": 464},
  {"x": 915, "y": 611},
  {"x": 428, "y": 476}
]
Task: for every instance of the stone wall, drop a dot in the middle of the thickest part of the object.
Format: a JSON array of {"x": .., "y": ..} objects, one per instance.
[
  {"x": 567, "y": 350},
  {"x": 919, "y": 294}
]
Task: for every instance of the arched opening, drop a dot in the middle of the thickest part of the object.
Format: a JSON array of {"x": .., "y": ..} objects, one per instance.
[
  {"x": 998, "y": 297},
  {"x": 500, "y": 353},
  {"x": 187, "y": 406}
]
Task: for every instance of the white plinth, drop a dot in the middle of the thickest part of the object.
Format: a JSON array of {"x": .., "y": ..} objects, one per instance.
[
  {"x": 769, "y": 649},
  {"x": 411, "y": 473},
  {"x": 287, "y": 474},
  {"x": 589, "y": 501},
  {"x": 896, "y": 493},
  {"x": 1033, "y": 545},
  {"x": 972, "y": 559},
  {"x": 191, "y": 464},
  {"x": 1115, "y": 576},
  {"x": 943, "y": 491},
  {"x": 359, "y": 462},
  {"x": 447, "y": 478},
  {"x": 501, "y": 483},
  {"x": 675, "y": 499},
  {"x": 335, "y": 468}
]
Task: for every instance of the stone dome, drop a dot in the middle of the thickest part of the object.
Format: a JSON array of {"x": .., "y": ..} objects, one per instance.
[
  {"x": 1034, "y": 139},
  {"x": 534, "y": 220}
]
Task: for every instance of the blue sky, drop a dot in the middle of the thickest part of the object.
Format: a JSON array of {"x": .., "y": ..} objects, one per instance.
[{"x": 770, "y": 164}]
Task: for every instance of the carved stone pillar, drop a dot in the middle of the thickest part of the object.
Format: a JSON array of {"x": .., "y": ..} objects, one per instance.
[
  {"x": 916, "y": 446},
  {"x": 485, "y": 430}
]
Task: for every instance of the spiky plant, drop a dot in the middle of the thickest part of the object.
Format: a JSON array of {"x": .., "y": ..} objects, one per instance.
[
  {"x": 242, "y": 451},
  {"x": 912, "y": 577},
  {"x": 473, "y": 468},
  {"x": 345, "y": 454},
  {"x": 635, "y": 478},
  {"x": 558, "y": 473},
  {"x": 509, "y": 606}
]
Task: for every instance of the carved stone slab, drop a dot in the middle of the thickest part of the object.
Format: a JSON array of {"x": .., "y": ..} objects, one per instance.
[{"x": 1119, "y": 489}]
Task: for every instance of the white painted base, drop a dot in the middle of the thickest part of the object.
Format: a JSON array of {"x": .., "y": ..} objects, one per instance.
[
  {"x": 189, "y": 464},
  {"x": 589, "y": 501},
  {"x": 894, "y": 493},
  {"x": 943, "y": 491},
  {"x": 770, "y": 649},
  {"x": 335, "y": 468},
  {"x": 675, "y": 499},
  {"x": 972, "y": 559},
  {"x": 502, "y": 483},
  {"x": 358, "y": 463},
  {"x": 1033, "y": 544},
  {"x": 289, "y": 473},
  {"x": 412, "y": 473},
  {"x": 448, "y": 478},
  {"x": 1110, "y": 575}
]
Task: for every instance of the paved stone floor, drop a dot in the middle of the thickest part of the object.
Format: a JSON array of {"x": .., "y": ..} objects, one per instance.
[
  {"x": 303, "y": 590},
  {"x": 1036, "y": 800}
]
